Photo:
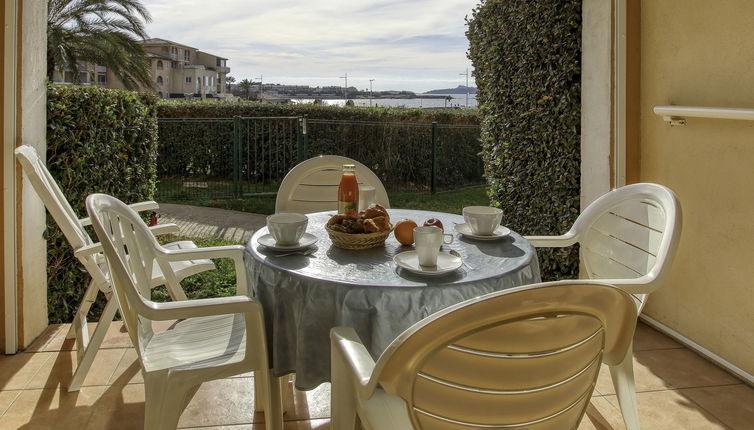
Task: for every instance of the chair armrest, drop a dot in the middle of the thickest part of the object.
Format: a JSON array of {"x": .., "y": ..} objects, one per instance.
[
  {"x": 88, "y": 250},
  {"x": 348, "y": 346},
  {"x": 148, "y": 205},
  {"x": 198, "y": 308},
  {"x": 229, "y": 251},
  {"x": 138, "y": 207},
  {"x": 567, "y": 239},
  {"x": 234, "y": 252},
  {"x": 169, "y": 228}
]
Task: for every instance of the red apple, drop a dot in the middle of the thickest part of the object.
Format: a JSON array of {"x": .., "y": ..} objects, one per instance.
[{"x": 434, "y": 222}]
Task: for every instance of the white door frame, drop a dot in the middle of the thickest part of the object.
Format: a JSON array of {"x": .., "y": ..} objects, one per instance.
[{"x": 9, "y": 176}]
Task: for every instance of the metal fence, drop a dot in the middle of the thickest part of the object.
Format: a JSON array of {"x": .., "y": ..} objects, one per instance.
[{"x": 244, "y": 156}]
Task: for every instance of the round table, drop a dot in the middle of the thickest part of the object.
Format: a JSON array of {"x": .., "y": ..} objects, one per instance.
[{"x": 303, "y": 297}]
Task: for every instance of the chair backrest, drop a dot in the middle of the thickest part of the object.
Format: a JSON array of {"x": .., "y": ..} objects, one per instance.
[
  {"x": 312, "y": 186},
  {"x": 52, "y": 197},
  {"x": 630, "y": 232},
  {"x": 131, "y": 253},
  {"x": 525, "y": 358}
]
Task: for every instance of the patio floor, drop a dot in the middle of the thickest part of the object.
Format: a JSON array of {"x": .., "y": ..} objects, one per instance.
[{"x": 677, "y": 389}]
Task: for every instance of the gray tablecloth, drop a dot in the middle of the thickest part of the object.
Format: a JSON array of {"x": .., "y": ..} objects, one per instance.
[{"x": 304, "y": 296}]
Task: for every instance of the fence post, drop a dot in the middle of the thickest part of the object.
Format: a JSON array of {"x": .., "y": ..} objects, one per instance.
[
  {"x": 433, "y": 183},
  {"x": 302, "y": 139},
  {"x": 236, "y": 156}
]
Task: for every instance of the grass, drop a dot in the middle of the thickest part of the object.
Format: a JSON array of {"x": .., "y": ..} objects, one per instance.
[
  {"x": 222, "y": 281},
  {"x": 213, "y": 283},
  {"x": 449, "y": 202}
]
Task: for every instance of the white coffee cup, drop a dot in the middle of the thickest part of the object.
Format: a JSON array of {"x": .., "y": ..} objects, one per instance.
[
  {"x": 366, "y": 196},
  {"x": 428, "y": 242},
  {"x": 483, "y": 220},
  {"x": 287, "y": 228}
]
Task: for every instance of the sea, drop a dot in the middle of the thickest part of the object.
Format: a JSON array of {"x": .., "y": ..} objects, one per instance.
[{"x": 458, "y": 101}]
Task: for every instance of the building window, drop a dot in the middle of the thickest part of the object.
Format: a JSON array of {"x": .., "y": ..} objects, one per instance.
[
  {"x": 159, "y": 65},
  {"x": 205, "y": 81},
  {"x": 159, "y": 80},
  {"x": 165, "y": 49},
  {"x": 188, "y": 79},
  {"x": 101, "y": 79},
  {"x": 186, "y": 55}
]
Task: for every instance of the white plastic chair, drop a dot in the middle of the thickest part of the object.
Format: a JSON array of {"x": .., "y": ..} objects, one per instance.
[
  {"x": 528, "y": 358},
  {"x": 312, "y": 186},
  {"x": 628, "y": 238},
  {"x": 214, "y": 338},
  {"x": 73, "y": 229}
]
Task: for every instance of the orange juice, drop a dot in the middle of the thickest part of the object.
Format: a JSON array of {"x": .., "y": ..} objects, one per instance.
[{"x": 348, "y": 191}]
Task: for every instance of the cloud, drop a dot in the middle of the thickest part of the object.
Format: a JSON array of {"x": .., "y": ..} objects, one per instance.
[{"x": 416, "y": 44}]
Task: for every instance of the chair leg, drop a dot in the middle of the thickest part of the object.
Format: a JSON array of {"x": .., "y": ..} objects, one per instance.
[
  {"x": 80, "y": 318},
  {"x": 623, "y": 381},
  {"x": 87, "y": 348},
  {"x": 164, "y": 401},
  {"x": 268, "y": 398},
  {"x": 176, "y": 291},
  {"x": 342, "y": 396}
]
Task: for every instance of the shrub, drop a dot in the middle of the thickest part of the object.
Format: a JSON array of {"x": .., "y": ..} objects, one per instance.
[
  {"x": 98, "y": 140},
  {"x": 526, "y": 57},
  {"x": 395, "y": 143}
]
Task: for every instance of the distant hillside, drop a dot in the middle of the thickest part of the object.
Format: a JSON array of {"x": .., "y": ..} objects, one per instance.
[{"x": 461, "y": 89}]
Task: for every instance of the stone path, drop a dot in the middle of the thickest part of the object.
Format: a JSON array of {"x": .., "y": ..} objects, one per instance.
[{"x": 198, "y": 221}]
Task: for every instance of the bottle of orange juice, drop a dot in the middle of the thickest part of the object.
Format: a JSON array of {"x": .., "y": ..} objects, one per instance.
[{"x": 348, "y": 191}]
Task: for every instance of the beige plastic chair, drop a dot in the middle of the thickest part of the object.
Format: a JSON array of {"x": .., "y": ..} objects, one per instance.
[
  {"x": 628, "y": 238},
  {"x": 525, "y": 358},
  {"x": 73, "y": 229},
  {"x": 214, "y": 338},
  {"x": 312, "y": 186}
]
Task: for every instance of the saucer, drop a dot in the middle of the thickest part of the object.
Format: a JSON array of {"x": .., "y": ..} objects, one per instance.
[
  {"x": 306, "y": 241},
  {"x": 499, "y": 232},
  {"x": 446, "y": 263}
]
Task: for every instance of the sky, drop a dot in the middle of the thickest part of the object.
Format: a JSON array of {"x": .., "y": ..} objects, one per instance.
[{"x": 415, "y": 45}]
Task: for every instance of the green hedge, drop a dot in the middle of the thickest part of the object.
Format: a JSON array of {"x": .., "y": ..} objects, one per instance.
[
  {"x": 526, "y": 57},
  {"x": 98, "y": 140},
  {"x": 395, "y": 143}
]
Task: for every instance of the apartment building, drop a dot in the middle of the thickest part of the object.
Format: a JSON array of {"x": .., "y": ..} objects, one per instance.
[{"x": 179, "y": 71}]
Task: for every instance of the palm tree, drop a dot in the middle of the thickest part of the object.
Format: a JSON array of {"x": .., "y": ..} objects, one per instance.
[
  {"x": 245, "y": 85},
  {"x": 229, "y": 80},
  {"x": 103, "y": 32}
]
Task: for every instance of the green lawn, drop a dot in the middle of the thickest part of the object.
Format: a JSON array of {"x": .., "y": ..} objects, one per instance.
[
  {"x": 221, "y": 282},
  {"x": 450, "y": 202}
]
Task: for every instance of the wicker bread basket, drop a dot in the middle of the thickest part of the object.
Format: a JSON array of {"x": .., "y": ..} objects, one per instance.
[{"x": 357, "y": 241}]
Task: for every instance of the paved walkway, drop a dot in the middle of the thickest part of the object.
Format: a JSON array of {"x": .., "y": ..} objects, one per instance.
[{"x": 198, "y": 221}]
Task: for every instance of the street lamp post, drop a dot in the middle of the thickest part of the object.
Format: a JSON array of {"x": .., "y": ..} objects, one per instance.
[
  {"x": 467, "y": 86},
  {"x": 370, "y": 92},
  {"x": 345, "y": 89},
  {"x": 261, "y": 89}
]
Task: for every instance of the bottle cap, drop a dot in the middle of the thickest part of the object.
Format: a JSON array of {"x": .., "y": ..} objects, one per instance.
[{"x": 349, "y": 166}]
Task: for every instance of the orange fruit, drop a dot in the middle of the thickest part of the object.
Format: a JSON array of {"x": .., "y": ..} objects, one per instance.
[{"x": 404, "y": 231}]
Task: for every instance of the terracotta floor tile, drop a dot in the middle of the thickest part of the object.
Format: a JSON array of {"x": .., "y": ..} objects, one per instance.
[
  {"x": 318, "y": 424},
  {"x": 51, "y": 409},
  {"x": 117, "y": 336},
  {"x": 59, "y": 368},
  {"x": 119, "y": 408},
  {"x": 6, "y": 399},
  {"x": 646, "y": 339},
  {"x": 306, "y": 405},
  {"x": 601, "y": 415},
  {"x": 17, "y": 370},
  {"x": 60, "y": 343},
  {"x": 733, "y": 405},
  {"x": 52, "y": 331},
  {"x": 660, "y": 410},
  {"x": 669, "y": 369},
  {"x": 222, "y": 402},
  {"x": 128, "y": 370}
]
